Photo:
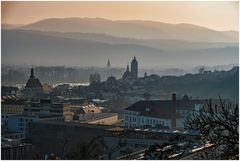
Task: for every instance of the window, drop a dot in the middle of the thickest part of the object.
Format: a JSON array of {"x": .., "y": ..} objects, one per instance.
[{"x": 20, "y": 124}]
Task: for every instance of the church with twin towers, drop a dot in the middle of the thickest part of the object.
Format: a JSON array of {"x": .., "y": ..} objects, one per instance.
[
  {"x": 133, "y": 74},
  {"x": 129, "y": 75}
]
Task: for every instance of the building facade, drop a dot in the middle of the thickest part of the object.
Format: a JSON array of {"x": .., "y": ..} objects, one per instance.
[
  {"x": 46, "y": 107},
  {"x": 18, "y": 123},
  {"x": 160, "y": 113},
  {"x": 97, "y": 118},
  {"x": 132, "y": 140},
  {"x": 49, "y": 136},
  {"x": 12, "y": 149},
  {"x": 14, "y": 106}
]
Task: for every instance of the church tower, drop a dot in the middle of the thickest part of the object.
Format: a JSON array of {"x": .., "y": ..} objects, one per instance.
[
  {"x": 134, "y": 68},
  {"x": 33, "y": 88},
  {"x": 108, "y": 64},
  {"x": 127, "y": 74},
  {"x": 32, "y": 74}
]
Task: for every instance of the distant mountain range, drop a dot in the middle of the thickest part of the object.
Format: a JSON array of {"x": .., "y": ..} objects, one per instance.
[
  {"x": 162, "y": 44},
  {"x": 41, "y": 49},
  {"x": 91, "y": 41},
  {"x": 134, "y": 28}
]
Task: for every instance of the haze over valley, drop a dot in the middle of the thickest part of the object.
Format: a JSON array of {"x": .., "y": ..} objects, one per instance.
[
  {"x": 86, "y": 42},
  {"x": 120, "y": 80}
]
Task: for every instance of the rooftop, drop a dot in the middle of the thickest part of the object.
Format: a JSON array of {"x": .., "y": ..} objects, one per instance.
[
  {"x": 13, "y": 101},
  {"x": 33, "y": 83},
  {"x": 161, "y": 108},
  {"x": 95, "y": 116},
  {"x": 71, "y": 124}
]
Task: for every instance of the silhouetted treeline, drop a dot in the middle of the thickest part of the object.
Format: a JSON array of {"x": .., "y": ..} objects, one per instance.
[
  {"x": 12, "y": 75},
  {"x": 57, "y": 74}
]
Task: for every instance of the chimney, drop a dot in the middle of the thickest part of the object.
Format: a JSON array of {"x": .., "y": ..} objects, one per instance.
[{"x": 173, "y": 111}]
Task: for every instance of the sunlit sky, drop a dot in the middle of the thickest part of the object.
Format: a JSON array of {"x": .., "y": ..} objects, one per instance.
[{"x": 214, "y": 15}]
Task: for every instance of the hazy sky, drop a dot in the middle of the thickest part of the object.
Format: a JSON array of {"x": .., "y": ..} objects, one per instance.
[{"x": 215, "y": 15}]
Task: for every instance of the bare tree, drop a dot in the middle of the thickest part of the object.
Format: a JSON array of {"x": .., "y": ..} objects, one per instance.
[
  {"x": 87, "y": 151},
  {"x": 218, "y": 125}
]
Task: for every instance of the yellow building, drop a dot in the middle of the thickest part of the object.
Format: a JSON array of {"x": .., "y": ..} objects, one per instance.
[
  {"x": 12, "y": 106},
  {"x": 97, "y": 118},
  {"x": 107, "y": 119}
]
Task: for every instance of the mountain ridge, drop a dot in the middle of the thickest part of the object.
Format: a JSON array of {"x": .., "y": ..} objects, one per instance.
[
  {"x": 133, "y": 28},
  {"x": 162, "y": 44},
  {"x": 39, "y": 48}
]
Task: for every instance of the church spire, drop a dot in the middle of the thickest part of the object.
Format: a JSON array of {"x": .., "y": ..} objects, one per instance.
[
  {"x": 108, "y": 64},
  {"x": 32, "y": 73}
]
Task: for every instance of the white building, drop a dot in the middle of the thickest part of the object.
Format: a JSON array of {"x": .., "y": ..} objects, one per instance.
[{"x": 160, "y": 113}]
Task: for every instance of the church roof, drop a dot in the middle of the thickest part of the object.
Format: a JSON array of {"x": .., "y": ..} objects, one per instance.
[
  {"x": 33, "y": 83},
  {"x": 127, "y": 74}
]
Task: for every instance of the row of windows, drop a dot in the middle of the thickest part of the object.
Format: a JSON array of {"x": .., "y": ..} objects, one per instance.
[
  {"x": 143, "y": 121},
  {"x": 12, "y": 110},
  {"x": 130, "y": 112},
  {"x": 20, "y": 124},
  {"x": 19, "y": 136},
  {"x": 20, "y": 128},
  {"x": 135, "y": 125},
  {"x": 26, "y": 120},
  {"x": 129, "y": 118},
  {"x": 130, "y": 125}
]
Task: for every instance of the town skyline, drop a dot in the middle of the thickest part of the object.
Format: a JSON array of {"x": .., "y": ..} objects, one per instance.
[{"x": 119, "y": 80}]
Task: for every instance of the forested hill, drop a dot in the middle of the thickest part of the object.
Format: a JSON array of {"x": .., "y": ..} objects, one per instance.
[{"x": 205, "y": 84}]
